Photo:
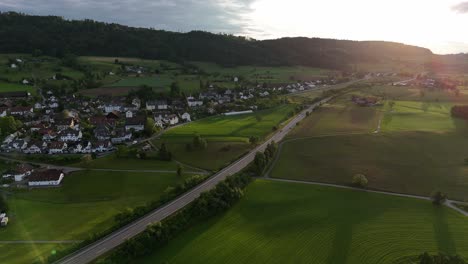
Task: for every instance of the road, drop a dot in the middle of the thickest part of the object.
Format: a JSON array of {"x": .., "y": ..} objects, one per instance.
[
  {"x": 104, "y": 245},
  {"x": 68, "y": 169},
  {"x": 448, "y": 203}
]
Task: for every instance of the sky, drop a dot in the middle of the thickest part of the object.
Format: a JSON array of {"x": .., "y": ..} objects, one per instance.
[{"x": 440, "y": 25}]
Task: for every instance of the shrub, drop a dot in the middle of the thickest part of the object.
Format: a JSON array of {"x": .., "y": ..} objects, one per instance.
[
  {"x": 360, "y": 180},
  {"x": 438, "y": 198}
]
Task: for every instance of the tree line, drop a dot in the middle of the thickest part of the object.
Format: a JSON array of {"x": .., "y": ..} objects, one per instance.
[{"x": 55, "y": 36}]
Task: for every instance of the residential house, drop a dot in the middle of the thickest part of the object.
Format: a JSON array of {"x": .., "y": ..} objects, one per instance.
[
  {"x": 102, "y": 132},
  {"x": 135, "y": 123},
  {"x": 136, "y": 102},
  {"x": 21, "y": 110},
  {"x": 3, "y": 219},
  {"x": 113, "y": 106},
  {"x": 34, "y": 148},
  {"x": 121, "y": 135},
  {"x": 70, "y": 135},
  {"x": 192, "y": 102},
  {"x": 3, "y": 112},
  {"x": 57, "y": 147},
  {"x": 156, "y": 105},
  {"x": 82, "y": 147},
  {"x": 64, "y": 123},
  {"x": 172, "y": 120},
  {"x": 49, "y": 177},
  {"x": 102, "y": 146},
  {"x": 186, "y": 117},
  {"x": 129, "y": 114}
]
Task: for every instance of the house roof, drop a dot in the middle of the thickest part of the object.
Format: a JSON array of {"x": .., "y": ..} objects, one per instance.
[
  {"x": 57, "y": 145},
  {"x": 24, "y": 167},
  {"x": 45, "y": 175},
  {"x": 135, "y": 121}
]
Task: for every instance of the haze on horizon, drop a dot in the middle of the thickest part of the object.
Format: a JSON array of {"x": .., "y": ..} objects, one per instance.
[{"x": 435, "y": 24}]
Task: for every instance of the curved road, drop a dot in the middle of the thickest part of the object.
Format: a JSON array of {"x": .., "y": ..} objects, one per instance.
[{"x": 104, "y": 245}]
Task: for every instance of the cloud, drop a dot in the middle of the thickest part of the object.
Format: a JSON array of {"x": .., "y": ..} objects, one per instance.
[
  {"x": 461, "y": 8},
  {"x": 219, "y": 16}
]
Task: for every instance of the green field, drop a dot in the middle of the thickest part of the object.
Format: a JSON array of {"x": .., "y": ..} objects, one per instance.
[
  {"x": 15, "y": 87},
  {"x": 296, "y": 223},
  {"x": 406, "y": 162},
  {"x": 421, "y": 116},
  {"x": 227, "y": 136},
  {"x": 86, "y": 203},
  {"x": 233, "y": 128},
  {"x": 217, "y": 155},
  {"x": 113, "y": 162}
]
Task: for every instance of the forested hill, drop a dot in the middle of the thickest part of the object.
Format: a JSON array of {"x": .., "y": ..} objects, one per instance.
[{"x": 56, "y": 36}]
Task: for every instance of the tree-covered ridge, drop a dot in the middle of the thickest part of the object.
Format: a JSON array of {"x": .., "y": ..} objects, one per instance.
[{"x": 56, "y": 36}]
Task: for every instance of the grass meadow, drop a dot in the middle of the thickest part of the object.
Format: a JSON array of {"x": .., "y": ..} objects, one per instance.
[
  {"x": 279, "y": 222},
  {"x": 85, "y": 203}
]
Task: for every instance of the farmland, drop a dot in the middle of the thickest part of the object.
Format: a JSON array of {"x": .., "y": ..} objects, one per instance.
[
  {"x": 85, "y": 204},
  {"x": 233, "y": 128},
  {"x": 113, "y": 162},
  {"x": 406, "y": 162},
  {"x": 227, "y": 136},
  {"x": 286, "y": 222}
]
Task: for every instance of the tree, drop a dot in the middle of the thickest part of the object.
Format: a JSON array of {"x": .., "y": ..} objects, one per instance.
[
  {"x": 254, "y": 140},
  {"x": 175, "y": 90},
  {"x": 3, "y": 204},
  {"x": 258, "y": 118},
  {"x": 360, "y": 180},
  {"x": 164, "y": 153},
  {"x": 122, "y": 151},
  {"x": 260, "y": 162},
  {"x": 438, "y": 198},
  {"x": 199, "y": 142},
  {"x": 150, "y": 127},
  {"x": 180, "y": 170}
]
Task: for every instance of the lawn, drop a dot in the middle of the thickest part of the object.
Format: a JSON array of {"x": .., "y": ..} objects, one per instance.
[
  {"x": 406, "y": 162},
  {"x": 298, "y": 223},
  {"x": 217, "y": 155},
  {"x": 113, "y": 162},
  {"x": 161, "y": 81},
  {"x": 233, "y": 128},
  {"x": 15, "y": 87},
  {"x": 86, "y": 203},
  {"x": 27, "y": 253}
]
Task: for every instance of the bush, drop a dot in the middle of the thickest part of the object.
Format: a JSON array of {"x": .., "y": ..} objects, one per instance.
[
  {"x": 438, "y": 198},
  {"x": 360, "y": 180}
]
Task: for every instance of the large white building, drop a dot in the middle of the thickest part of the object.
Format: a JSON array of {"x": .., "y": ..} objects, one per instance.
[{"x": 51, "y": 177}]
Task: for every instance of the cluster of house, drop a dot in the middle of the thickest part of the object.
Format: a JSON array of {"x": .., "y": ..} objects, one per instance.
[{"x": 365, "y": 100}]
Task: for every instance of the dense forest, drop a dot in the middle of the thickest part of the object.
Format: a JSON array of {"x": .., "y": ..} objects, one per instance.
[{"x": 56, "y": 36}]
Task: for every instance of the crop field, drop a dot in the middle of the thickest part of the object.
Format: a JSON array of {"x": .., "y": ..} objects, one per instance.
[
  {"x": 339, "y": 116},
  {"x": 279, "y": 222},
  {"x": 406, "y": 162},
  {"x": 84, "y": 204},
  {"x": 233, "y": 128}
]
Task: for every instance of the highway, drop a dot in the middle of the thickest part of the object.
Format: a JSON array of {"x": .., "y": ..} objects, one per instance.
[{"x": 104, "y": 245}]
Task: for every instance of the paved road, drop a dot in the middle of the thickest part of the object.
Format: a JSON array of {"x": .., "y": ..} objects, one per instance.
[
  {"x": 104, "y": 245},
  {"x": 448, "y": 203}
]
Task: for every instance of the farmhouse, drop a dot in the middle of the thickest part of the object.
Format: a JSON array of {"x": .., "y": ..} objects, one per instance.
[
  {"x": 49, "y": 177},
  {"x": 21, "y": 171}
]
